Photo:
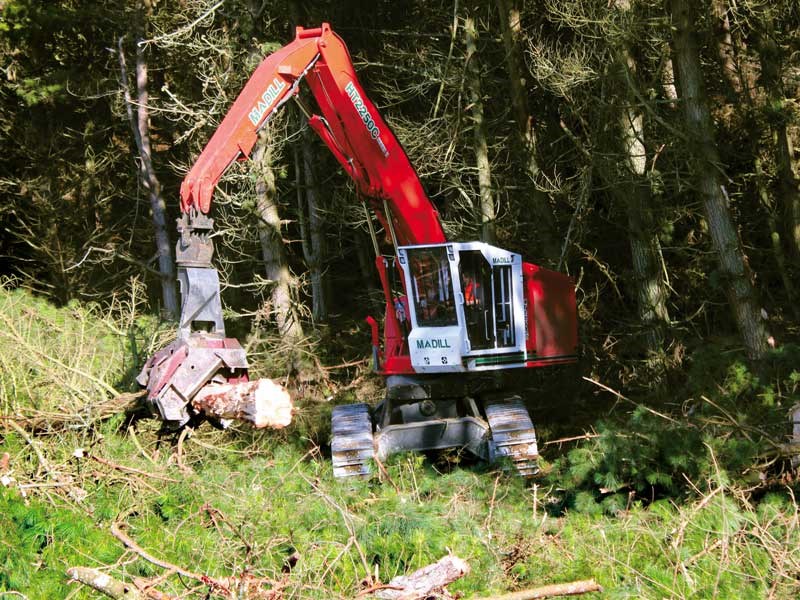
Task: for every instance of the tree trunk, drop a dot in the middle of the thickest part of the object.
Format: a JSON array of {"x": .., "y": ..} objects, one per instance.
[
  {"x": 263, "y": 402},
  {"x": 272, "y": 250},
  {"x": 708, "y": 173},
  {"x": 486, "y": 208},
  {"x": 788, "y": 182},
  {"x": 774, "y": 199},
  {"x": 768, "y": 204},
  {"x": 312, "y": 223},
  {"x": 140, "y": 124},
  {"x": 668, "y": 82},
  {"x": 166, "y": 262},
  {"x": 545, "y": 223},
  {"x": 647, "y": 260},
  {"x": 725, "y": 49},
  {"x": 315, "y": 249}
]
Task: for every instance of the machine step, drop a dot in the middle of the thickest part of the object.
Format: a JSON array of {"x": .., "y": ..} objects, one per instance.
[
  {"x": 513, "y": 436},
  {"x": 351, "y": 441}
]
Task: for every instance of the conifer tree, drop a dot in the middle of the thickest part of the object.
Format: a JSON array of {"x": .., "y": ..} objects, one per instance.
[{"x": 736, "y": 274}]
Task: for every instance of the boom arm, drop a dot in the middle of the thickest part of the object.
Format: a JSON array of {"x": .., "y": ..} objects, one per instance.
[{"x": 349, "y": 124}]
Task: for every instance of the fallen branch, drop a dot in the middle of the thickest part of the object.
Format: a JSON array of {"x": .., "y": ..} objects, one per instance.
[
  {"x": 263, "y": 403},
  {"x": 37, "y": 420},
  {"x": 385, "y": 473},
  {"x": 626, "y": 399},
  {"x": 344, "y": 365},
  {"x": 347, "y": 518},
  {"x": 548, "y": 591},
  {"x": 131, "y": 545},
  {"x": 113, "y": 588},
  {"x": 42, "y": 460},
  {"x": 103, "y": 583},
  {"x": 58, "y": 479},
  {"x": 228, "y": 587},
  {"x": 677, "y": 535},
  {"x": 575, "y": 438},
  {"x": 425, "y": 581},
  {"x": 179, "y": 451},
  {"x": 13, "y": 333},
  {"x": 374, "y": 588},
  {"x": 124, "y": 469}
]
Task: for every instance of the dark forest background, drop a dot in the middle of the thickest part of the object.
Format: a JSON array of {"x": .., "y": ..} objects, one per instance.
[{"x": 645, "y": 148}]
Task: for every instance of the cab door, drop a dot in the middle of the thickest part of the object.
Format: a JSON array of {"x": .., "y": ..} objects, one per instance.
[
  {"x": 436, "y": 340},
  {"x": 488, "y": 302}
]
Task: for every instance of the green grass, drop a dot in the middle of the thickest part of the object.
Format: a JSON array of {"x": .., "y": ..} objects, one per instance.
[
  {"x": 243, "y": 501},
  {"x": 56, "y": 361},
  {"x": 251, "y": 511}
]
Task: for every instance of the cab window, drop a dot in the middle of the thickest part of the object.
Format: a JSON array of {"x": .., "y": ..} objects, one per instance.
[{"x": 432, "y": 287}]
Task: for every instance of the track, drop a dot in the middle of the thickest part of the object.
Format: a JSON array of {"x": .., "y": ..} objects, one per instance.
[
  {"x": 513, "y": 436},
  {"x": 351, "y": 443}
]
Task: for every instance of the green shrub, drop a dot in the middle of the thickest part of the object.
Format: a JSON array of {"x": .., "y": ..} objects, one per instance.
[{"x": 734, "y": 417}]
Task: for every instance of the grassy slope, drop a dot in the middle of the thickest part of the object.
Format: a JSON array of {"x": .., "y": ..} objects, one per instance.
[{"x": 241, "y": 500}]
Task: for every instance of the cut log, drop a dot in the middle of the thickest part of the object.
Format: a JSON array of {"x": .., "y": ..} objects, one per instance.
[
  {"x": 549, "y": 591},
  {"x": 425, "y": 581},
  {"x": 263, "y": 403}
]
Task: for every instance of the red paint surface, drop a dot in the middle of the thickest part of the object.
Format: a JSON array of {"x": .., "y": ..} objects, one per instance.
[{"x": 552, "y": 316}]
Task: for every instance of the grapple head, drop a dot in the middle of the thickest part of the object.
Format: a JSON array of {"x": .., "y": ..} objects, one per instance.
[{"x": 174, "y": 374}]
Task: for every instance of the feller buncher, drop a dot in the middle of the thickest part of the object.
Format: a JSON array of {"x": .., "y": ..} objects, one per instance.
[{"x": 459, "y": 315}]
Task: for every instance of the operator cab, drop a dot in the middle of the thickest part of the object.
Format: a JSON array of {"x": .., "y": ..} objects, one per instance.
[{"x": 466, "y": 305}]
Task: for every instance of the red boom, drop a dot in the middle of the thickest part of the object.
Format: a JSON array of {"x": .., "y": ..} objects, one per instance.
[{"x": 349, "y": 124}]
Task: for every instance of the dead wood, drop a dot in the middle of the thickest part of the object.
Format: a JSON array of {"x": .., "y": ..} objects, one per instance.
[
  {"x": 124, "y": 469},
  {"x": 103, "y": 583},
  {"x": 575, "y": 438},
  {"x": 113, "y": 588},
  {"x": 131, "y": 545},
  {"x": 425, "y": 581},
  {"x": 58, "y": 479},
  {"x": 37, "y": 420},
  {"x": 573, "y": 588},
  {"x": 244, "y": 585},
  {"x": 263, "y": 403}
]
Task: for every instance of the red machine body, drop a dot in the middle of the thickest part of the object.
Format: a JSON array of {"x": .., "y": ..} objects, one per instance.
[
  {"x": 458, "y": 314},
  {"x": 349, "y": 124},
  {"x": 352, "y": 128}
]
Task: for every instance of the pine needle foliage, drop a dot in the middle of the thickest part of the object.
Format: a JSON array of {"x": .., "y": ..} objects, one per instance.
[
  {"x": 65, "y": 360},
  {"x": 726, "y": 432}
]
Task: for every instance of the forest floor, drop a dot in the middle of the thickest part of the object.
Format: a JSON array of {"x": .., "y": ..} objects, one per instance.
[{"x": 653, "y": 502}]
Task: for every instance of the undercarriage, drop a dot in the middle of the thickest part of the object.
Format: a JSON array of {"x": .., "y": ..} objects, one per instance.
[{"x": 418, "y": 414}]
